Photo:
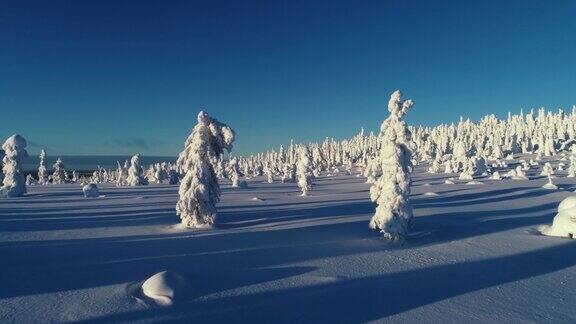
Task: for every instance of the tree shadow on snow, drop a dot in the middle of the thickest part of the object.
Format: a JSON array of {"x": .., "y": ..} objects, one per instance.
[{"x": 368, "y": 298}]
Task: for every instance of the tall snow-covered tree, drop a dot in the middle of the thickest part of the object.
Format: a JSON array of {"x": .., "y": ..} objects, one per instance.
[
  {"x": 135, "y": 173},
  {"x": 14, "y": 183},
  {"x": 42, "y": 177},
  {"x": 199, "y": 190},
  {"x": 391, "y": 192}
]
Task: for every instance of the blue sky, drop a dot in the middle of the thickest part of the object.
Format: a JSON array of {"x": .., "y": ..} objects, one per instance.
[{"x": 118, "y": 77}]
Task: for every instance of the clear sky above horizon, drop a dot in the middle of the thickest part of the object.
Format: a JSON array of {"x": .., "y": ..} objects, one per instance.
[{"x": 120, "y": 77}]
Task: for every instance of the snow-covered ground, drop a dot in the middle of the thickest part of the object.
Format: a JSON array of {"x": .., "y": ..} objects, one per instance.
[{"x": 474, "y": 255}]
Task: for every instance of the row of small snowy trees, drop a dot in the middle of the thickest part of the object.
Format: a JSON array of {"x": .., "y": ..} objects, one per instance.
[
  {"x": 386, "y": 160},
  {"x": 13, "y": 154}
]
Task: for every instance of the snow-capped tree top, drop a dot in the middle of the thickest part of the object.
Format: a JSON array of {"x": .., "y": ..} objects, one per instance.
[
  {"x": 209, "y": 139},
  {"x": 14, "y": 147},
  {"x": 394, "y": 128},
  {"x": 396, "y": 106},
  {"x": 221, "y": 133},
  {"x": 135, "y": 160}
]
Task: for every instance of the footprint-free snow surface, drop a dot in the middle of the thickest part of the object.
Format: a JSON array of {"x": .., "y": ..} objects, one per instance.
[{"x": 474, "y": 255}]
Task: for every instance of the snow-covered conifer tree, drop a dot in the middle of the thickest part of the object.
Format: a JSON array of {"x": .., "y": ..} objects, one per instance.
[
  {"x": 234, "y": 171},
  {"x": 58, "y": 176},
  {"x": 391, "y": 192},
  {"x": 268, "y": 173},
  {"x": 120, "y": 175},
  {"x": 14, "y": 183},
  {"x": 199, "y": 190},
  {"x": 30, "y": 180},
  {"x": 572, "y": 167},
  {"x": 42, "y": 176},
  {"x": 135, "y": 173},
  {"x": 75, "y": 176},
  {"x": 303, "y": 171}
]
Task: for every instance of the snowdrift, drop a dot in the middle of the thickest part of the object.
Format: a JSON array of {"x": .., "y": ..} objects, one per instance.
[{"x": 564, "y": 224}]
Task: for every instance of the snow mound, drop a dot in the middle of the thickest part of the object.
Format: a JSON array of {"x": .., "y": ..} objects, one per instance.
[
  {"x": 165, "y": 287},
  {"x": 430, "y": 193},
  {"x": 550, "y": 186},
  {"x": 90, "y": 190},
  {"x": 257, "y": 199},
  {"x": 449, "y": 182},
  {"x": 564, "y": 223},
  {"x": 474, "y": 183}
]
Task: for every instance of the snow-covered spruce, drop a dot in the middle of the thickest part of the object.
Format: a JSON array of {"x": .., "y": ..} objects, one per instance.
[
  {"x": 303, "y": 171},
  {"x": 30, "y": 180},
  {"x": 42, "y": 176},
  {"x": 121, "y": 177},
  {"x": 135, "y": 173},
  {"x": 393, "y": 216},
  {"x": 572, "y": 167},
  {"x": 14, "y": 183},
  {"x": 75, "y": 176},
  {"x": 199, "y": 190},
  {"x": 58, "y": 176},
  {"x": 233, "y": 172}
]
